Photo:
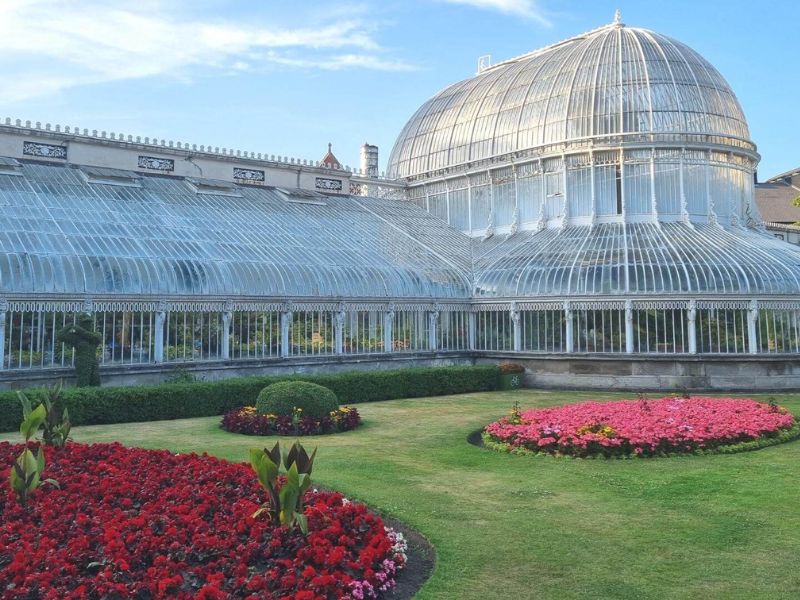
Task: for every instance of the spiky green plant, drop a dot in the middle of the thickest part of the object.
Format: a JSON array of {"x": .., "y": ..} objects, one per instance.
[{"x": 286, "y": 504}]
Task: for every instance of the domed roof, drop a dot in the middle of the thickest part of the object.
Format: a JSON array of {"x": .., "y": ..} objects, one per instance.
[
  {"x": 610, "y": 81},
  {"x": 629, "y": 260}
]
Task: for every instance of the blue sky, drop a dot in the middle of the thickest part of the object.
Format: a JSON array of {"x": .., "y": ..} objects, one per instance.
[{"x": 286, "y": 77}]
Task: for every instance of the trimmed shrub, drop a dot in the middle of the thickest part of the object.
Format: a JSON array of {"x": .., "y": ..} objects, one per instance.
[
  {"x": 283, "y": 397},
  {"x": 106, "y": 405},
  {"x": 85, "y": 340}
]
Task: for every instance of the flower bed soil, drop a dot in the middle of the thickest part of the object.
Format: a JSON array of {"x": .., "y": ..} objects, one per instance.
[
  {"x": 248, "y": 421},
  {"x": 643, "y": 428},
  {"x": 132, "y": 523}
]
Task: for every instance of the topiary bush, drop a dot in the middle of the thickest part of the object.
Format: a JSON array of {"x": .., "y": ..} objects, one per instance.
[
  {"x": 283, "y": 397},
  {"x": 85, "y": 340}
]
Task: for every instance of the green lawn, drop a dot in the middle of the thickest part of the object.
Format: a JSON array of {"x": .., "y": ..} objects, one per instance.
[{"x": 725, "y": 526}]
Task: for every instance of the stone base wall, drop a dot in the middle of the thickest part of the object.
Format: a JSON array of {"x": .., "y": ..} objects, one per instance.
[
  {"x": 121, "y": 375},
  {"x": 586, "y": 372},
  {"x": 656, "y": 373}
]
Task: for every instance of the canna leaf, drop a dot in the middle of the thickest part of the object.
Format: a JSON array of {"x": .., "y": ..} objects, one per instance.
[
  {"x": 302, "y": 521},
  {"x": 275, "y": 453},
  {"x": 32, "y": 423},
  {"x": 26, "y": 405}
]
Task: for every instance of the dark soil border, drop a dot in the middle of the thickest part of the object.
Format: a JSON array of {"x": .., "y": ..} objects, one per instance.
[
  {"x": 420, "y": 556},
  {"x": 420, "y": 565},
  {"x": 288, "y": 435}
]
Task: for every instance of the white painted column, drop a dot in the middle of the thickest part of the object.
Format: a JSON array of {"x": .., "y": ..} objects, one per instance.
[
  {"x": 516, "y": 323},
  {"x": 752, "y": 320},
  {"x": 227, "y": 320},
  {"x": 286, "y": 319},
  {"x": 339, "y": 330},
  {"x": 568, "y": 320},
  {"x": 472, "y": 327},
  {"x": 159, "y": 333},
  {"x": 692, "y": 317},
  {"x": 628, "y": 327},
  {"x": 3, "y": 310},
  {"x": 388, "y": 326},
  {"x": 433, "y": 323}
]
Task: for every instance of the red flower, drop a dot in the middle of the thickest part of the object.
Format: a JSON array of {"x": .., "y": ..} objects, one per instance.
[{"x": 143, "y": 523}]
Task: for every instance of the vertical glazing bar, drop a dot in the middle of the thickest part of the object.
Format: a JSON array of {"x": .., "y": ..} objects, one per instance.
[
  {"x": 21, "y": 337},
  {"x": 3, "y": 317},
  {"x": 141, "y": 335},
  {"x": 52, "y": 342}
]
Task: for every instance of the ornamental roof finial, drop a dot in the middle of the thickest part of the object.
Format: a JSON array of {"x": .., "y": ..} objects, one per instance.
[{"x": 617, "y": 17}]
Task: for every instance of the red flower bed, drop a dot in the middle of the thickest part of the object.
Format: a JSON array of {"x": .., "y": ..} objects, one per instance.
[
  {"x": 246, "y": 420},
  {"x": 132, "y": 523},
  {"x": 643, "y": 427}
]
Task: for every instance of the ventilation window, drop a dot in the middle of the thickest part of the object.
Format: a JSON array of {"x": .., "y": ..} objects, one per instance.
[
  {"x": 298, "y": 196},
  {"x": 213, "y": 187},
  {"x": 10, "y": 166},
  {"x": 106, "y": 176}
]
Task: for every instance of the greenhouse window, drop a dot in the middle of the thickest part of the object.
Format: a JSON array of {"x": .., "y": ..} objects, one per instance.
[
  {"x": 106, "y": 176},
  {"x": 10, "y": 166},
  {"x": 299, "y": 196},
  {"x": 214, "y": 187}
]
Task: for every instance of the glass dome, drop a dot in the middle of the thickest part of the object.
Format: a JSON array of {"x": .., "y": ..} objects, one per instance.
[{"x": 611, "y": 84}]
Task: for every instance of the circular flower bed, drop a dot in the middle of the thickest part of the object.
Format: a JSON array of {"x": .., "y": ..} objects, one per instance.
[
  {"x": 247, "y": 420},
  {"x": 132, "y": 523},
  {"x": 643, "y": 427}
]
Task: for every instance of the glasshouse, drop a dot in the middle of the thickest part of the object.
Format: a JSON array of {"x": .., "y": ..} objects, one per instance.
[{"x": 593, "y": 198}]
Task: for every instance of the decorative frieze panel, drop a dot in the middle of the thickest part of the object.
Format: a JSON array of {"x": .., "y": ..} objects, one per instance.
[
  {"x": 44, "y": 150},
  {"x": 779, "y": 305},
  {"x": 325, "y": 183},
  {"x": 723, "y": 304},
  {"x": 660, "y": 304},
  {"x": 249, "y": 175},
  {"x": 540, "y": 305},
  {"x": 356, "y": 189},
  {"x": 598, "y": 305},
  {"x": 46, "y": 306},
  {"x": 154, "y": 163},
  {"x": 493, "y": 307}
]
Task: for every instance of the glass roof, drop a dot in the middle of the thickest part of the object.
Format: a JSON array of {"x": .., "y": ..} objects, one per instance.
[
  {"x": 63, "y": 235},
  {"x": 632, "y": 259},
  {"x": 610, "y": 81}
]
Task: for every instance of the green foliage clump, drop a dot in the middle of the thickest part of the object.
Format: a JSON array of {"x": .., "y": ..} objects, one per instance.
[
  {"x": 81, "y": 336},
  {"x": 56, "y": 425},
  {"x": 284, "y": 397},
  {"x": 106, "y": 405},
  {"x": 285, "y": 503},
  {"x": 28, "y": 468}
]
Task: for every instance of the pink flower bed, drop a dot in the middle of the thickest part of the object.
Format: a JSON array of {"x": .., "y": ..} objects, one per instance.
[{"x": 639, "y": 427}]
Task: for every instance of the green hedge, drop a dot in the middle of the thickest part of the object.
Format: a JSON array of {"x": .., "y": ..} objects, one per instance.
[{"x": 103, "y": 405}]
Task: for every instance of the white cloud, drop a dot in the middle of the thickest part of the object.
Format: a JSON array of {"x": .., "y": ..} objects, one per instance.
[
  {"x": 337, "y": 62},
  {"x": 51, "y": 45},
  {"x": 527, "y": 9}
]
